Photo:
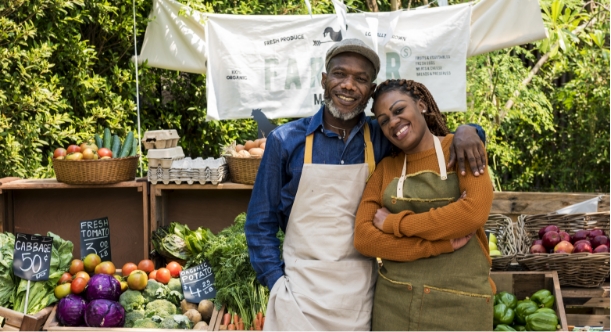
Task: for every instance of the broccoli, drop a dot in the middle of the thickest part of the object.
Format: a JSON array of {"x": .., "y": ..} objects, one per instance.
[
  {"x": 132, "y": 300},
  {"x": 174, "y": 285},
  {"x": 132, "y": 316},
  {"x": 155, "y": 290},
  {"x": 162, "y": 308},
  {"x": 177, "y": 322},
  {"x": 146, "y": 323}
]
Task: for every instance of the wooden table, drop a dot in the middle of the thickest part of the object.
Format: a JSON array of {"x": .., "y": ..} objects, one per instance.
[{"x": 587, "y": 306}]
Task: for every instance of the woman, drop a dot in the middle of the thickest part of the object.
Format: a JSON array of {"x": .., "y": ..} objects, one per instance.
[{"x": 413, "y": 217}]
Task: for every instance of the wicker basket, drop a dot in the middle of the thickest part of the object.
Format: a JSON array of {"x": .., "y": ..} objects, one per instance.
[
  {"x": 579, "y": 269},
  {"x": 502, "y": 227},
  {"x": 102, "y": 171},
  {"x": 243, "y": 170}
]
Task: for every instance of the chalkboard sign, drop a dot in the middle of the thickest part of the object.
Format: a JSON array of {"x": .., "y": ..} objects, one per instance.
[
  {"x": 32, "y": 257},
  {"x": 198, "y": 283},
  {"x": 95, "y": 238}
]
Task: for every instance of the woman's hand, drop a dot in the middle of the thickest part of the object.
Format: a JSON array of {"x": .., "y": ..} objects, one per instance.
[
  {"x": 467, "y": 142},
  {"x": 378, "y": 220},
  {"x": 460, "y": 242}
]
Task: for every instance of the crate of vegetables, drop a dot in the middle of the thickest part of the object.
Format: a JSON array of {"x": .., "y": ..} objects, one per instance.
[
  {"x": 574, "y": 245},
  {"x": 501, "y": 241},
  {"x": 244, "y": 160},
  {"x": 99, "y": 161},
  {"x": 528, "y": 301}
]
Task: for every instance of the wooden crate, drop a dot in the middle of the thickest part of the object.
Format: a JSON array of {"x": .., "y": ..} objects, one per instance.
[
  {"x": 40, "y": 205},
  {"x": 525, "y": 283},
  {"x": 52, "y": 324},
  {"x": 587, "y": 306},
  {"x": 17, "y": 321}
]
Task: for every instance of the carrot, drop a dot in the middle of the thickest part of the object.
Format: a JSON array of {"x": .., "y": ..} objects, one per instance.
[
  {"x": 231, "y": 326},
  {"x": 259, "y": 315},
  {"x": 257, "y": 324},
  {"x": 236, "y": 319},
  {"x": 226, "y": 319},
  {"x": 241, "y": 325},
  {"x": 262, "y": 322}
]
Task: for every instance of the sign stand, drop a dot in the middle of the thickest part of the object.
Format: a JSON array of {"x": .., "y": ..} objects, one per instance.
[{"x": 27, "y": 297}]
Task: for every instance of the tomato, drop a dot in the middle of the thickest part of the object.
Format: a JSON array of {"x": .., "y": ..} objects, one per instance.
[
  {"x": 59, "y": 153},
  {"x": 153, "y": 275},
  {"x": 105, "y": 268},
  {"x": 73, "y": 148},
  {"x": 91, "y": 261},
  {"x": 66, "y": 277},
  {"x": 78, "y": 285},
  {"x": 76, "y": 266},
  {"x": 163, "y": 275},
  {"x": 174, "y": 268},
  {"x": 89, "y": 145},
  {"x": 82, "y": 274},
  {"x": 74, "y": 156},
  {"x": 104, "y": 152},
  {"x": 62, "y": 290},
  {"x": 128, "y": 268},
  {"x": 146, "y": 265},
  {"x": 137, "y": 280}
]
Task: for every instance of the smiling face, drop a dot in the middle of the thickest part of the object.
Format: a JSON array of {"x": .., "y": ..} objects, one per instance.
[
  {"x": 348, "y": 85},
  {"x": 402, "y": 122}
]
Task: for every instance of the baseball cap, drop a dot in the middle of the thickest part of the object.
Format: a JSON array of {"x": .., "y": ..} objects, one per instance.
[{"x": 357, "y": 46}]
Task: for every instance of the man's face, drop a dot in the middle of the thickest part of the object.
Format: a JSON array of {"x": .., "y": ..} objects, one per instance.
[{"x": 348, "y": 85}]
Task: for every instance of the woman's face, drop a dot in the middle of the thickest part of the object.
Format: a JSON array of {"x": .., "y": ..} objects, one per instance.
[{"x": 401, "y": 120}]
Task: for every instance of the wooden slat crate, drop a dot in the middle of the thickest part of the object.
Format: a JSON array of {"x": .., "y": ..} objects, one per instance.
[
  {"x": 17, "y": 321},
  {"x": 587, "y": 306}
]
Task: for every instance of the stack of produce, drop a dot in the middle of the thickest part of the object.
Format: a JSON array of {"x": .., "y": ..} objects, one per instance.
[
  {"x": 13, "y": 289},
  {"x": 553, "y": 240},
  {"x": 110, "y": 146},
  {"x": 533, "y": 313},
  {"x": 177, "y": 242},
  {"x": 249, "y": 149},
  {"x": 492, "y": 246}
]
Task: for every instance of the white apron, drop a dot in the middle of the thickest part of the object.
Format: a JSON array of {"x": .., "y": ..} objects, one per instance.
[{"x": 327, "y": 285}]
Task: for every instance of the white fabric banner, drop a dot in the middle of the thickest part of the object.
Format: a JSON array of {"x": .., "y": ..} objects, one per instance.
[{"x": 274, "y": 63}]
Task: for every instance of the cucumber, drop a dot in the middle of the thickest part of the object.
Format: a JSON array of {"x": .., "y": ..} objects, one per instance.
[
  {"x": 134, "y": 150},
  {"x": 116, "y": 146},
  {"x": 107, "y": 137},
  {"x": 98, "y": 141},
  {"x": 127, "y": 145}
]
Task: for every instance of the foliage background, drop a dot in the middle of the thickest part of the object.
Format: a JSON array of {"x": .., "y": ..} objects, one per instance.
[{"x": 65, "y": 74}]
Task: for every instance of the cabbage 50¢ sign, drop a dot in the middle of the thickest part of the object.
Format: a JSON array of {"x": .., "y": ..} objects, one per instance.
[
  {"x": 32, "y": 257},
  {"x": 198, "y": 283}
]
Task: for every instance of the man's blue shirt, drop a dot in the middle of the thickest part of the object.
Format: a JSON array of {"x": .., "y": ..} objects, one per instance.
[{"x": 278, "y": 179}]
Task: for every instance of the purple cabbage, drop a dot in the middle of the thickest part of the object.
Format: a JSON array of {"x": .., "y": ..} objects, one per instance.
[
  {"x": 104, "y": 313},
  {"x": 71, "y": 310},
  {"x": 103, "y": 286}
]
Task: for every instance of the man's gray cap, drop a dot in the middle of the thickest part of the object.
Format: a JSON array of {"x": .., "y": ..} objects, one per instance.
[{"x": 354, "y": 45}]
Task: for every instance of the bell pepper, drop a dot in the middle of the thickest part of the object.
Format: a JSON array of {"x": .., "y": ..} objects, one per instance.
[
  {"x": 544, "y": 298},
  {"x": 503, "y": 314},
  {"x": 509, "y": 299},
  {"x": 525, "y": 308},
  {"x": 548, "y": 310},
  {"x": 519, "y": 327},
  {"x": 542, "y": 321},
  {"x": 503, "y": 327}
]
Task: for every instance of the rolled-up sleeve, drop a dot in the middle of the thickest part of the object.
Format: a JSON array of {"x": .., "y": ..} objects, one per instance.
[{"x": 264, "y": 218}]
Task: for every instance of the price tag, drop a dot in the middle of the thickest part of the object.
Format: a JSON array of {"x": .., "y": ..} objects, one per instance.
[
  {"x": 95, "y": 238},
  {"x": 32, "y": 257},
  {"x": 198, "y": 283}
]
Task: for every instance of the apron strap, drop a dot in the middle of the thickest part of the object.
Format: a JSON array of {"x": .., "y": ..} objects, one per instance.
[{"x": 369, "y": 156}]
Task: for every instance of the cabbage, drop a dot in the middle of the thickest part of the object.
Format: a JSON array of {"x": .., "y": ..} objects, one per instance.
[
  {"x": 104, "y": 313},
  {"x": 103, "y": 286},
  {"x": 71, "y": 310}
]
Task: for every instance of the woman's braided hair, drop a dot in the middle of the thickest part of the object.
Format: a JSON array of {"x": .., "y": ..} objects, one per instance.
[{"x": 435, "y": 120}]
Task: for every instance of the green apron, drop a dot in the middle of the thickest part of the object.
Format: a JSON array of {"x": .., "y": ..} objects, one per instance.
[{"x": 446, "y": 292}]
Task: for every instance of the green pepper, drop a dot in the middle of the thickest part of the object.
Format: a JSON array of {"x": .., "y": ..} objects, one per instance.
[
  {"x": 508, "y": 299},
  {"x": 542, "y": 321},
  {"x": 503, "y": 314},
  {"x": 503, "y": 327},
  {"x": 548, "y": 310},
  {"x": 544, "y": 298},
  {"x": 525, "y": 308},
  {"x": 519, "y": 327}
]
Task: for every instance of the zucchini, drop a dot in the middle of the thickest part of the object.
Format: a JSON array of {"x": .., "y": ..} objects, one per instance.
[
  {"x": 127, "y": 145},
  {"x": 98, "y": 141},
  {"x": 134, "y": 150},
  {"x": 116, "y": 146},
  {"x": 107, "y": 138}
]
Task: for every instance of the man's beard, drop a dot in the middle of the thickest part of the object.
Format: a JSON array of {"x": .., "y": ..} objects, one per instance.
[{"x": 343, "y": 116}]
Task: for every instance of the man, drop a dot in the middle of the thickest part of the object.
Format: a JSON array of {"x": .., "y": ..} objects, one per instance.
[{"x": 309, "y": 185}]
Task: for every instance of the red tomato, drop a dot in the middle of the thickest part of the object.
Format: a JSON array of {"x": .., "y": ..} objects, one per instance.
[
  {"x": 66, "y": 277},
  {"x": 82, "y": 274},
  {"x": 104, "y": 152},
  {"x": 76, "y": 266},
  {"x": 74, "y": 148},
  {"x": 59, "y": 153},
  {"x": 146, "y": 265},
  {"x": 153, "y": 275},
  {"x": 163, "y": 275},
  {"x": 174, "y": 268},
  {"x": 78, "y": 285},
  {"x": 128, "y": 268}
]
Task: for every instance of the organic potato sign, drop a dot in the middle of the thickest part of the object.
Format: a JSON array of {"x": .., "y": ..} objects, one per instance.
[
  {"x": 95, "y": 238},
  {"x": 32, "y": 257},
  {"x": 198, "y": 283}
]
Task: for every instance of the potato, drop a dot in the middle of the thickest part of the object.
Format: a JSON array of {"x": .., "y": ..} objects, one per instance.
[
  {"x": 193, "y": 315},
  {"x": 244, "y": 154},
  {"x": 239, "y": 147},
  {"x": 185, "y": 306},
  {"x": 205, "y": 308},
  {"x": 249, "y": 145},
  {"x": 201, "y": 326},
  {"x": 256, "y": 152}
]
